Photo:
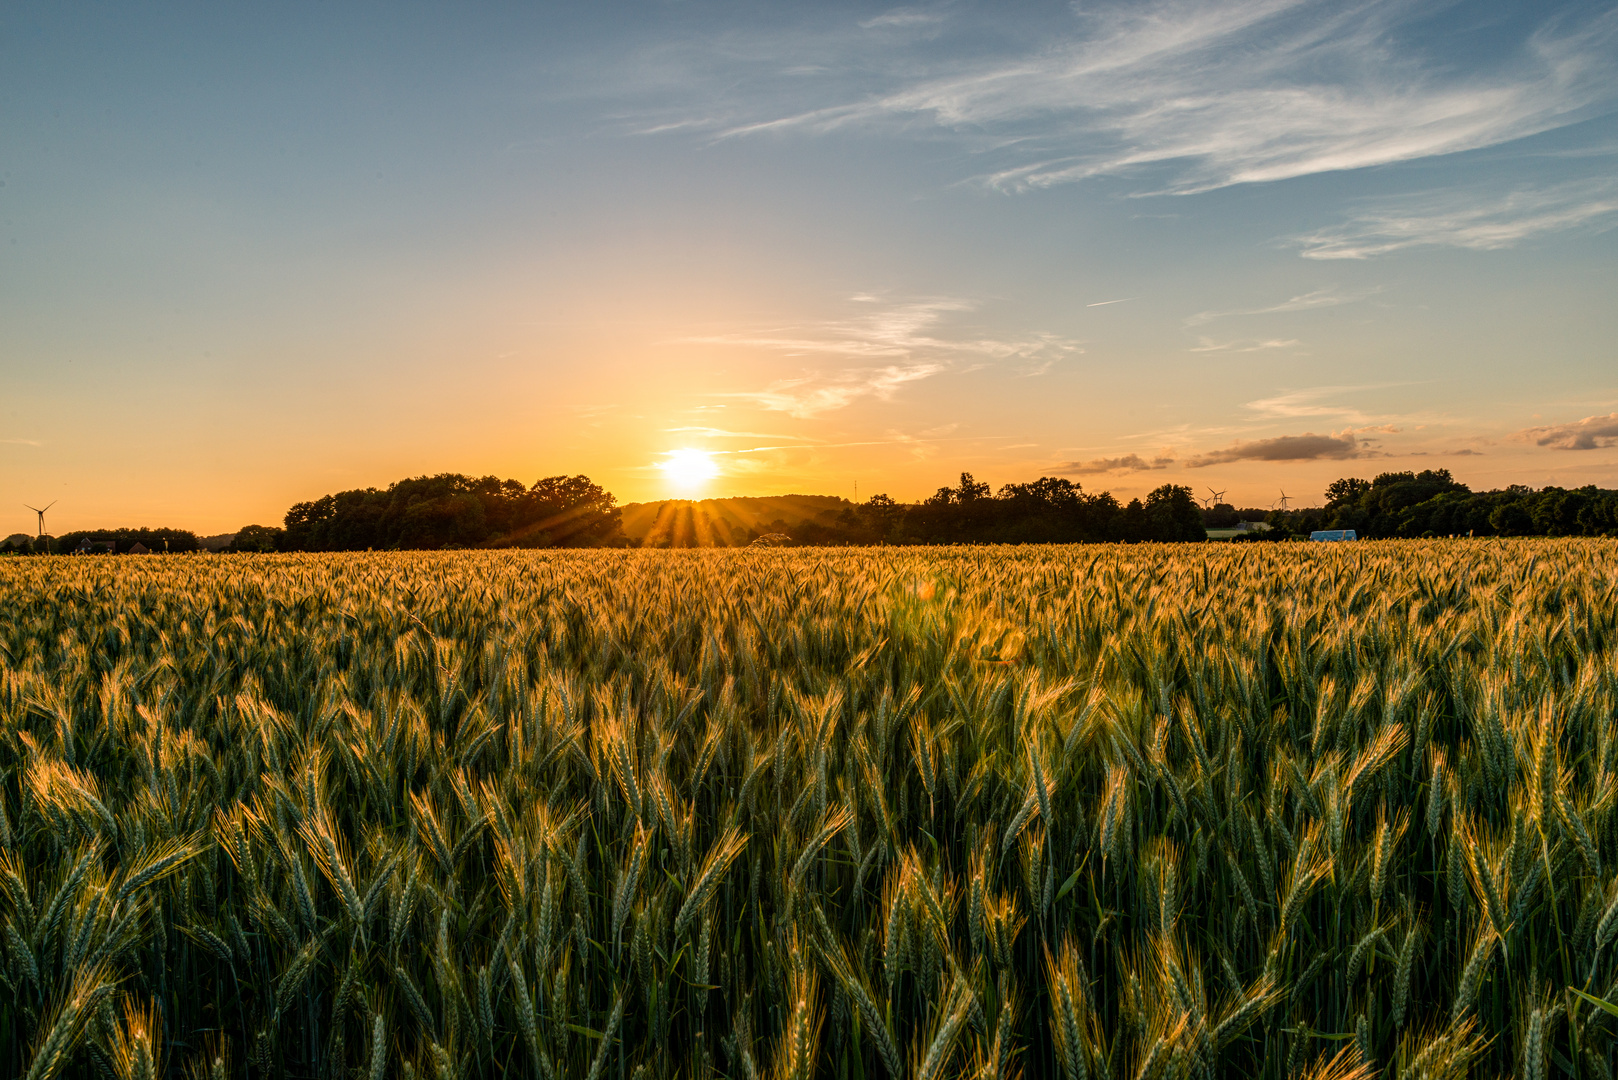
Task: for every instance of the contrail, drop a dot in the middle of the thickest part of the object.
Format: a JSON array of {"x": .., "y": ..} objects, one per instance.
[{"x": 1104, "y": 303}]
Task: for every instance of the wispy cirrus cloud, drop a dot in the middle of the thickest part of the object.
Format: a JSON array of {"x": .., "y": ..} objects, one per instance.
[
  {"x": 904, "y": 18},
  {"x": 1179, "y": 96},
  {"x": 912, "y": 336},
  {"x": 21, "y": 442},
  {"x": 1244, "y": 345},
  {"x": 813, "y": 395},
  {"x": 1311, "y": 402},
  {"x": 1305, "y": 447},
  {"x": 727, "y": 433},
  {"x": 1314, "y": 300},
  {"x": 1591, "y": 433},
  {"x": 1468, "y": 219},
  {"x": 890, "y": 331}
]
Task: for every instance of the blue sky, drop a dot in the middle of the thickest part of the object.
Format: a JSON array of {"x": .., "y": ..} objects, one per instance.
[{"x": 249, "y": 256}]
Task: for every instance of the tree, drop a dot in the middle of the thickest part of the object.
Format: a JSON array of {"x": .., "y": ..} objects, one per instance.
[
  {"x": 1347, "y": 490},
  {"x": 158, "y": 540},
  {"x": 1133, "y": 523},
  {"x": 452, "y": 510},
  {"x": 258, "y": 538},
  {"x": 970, "y": 490},
  {"x": 880, "y": 516},
  {"x": 1512, "y": 519},
  {"x": 1048, "y": 491},
  {"x": 1556, "y": 512},
  {"x": 1172, "y": 514},
  {"x": 569, "y": 511}
]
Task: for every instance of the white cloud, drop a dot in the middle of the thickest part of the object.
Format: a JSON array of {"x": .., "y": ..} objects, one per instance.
[
  {"x": 913, "y": 338},
  {"x": 814, "y": 395},
  {"x": 903, "y": 19},
  {"x": 1247, "y": 345},
  {"x": 1591, "y": 433},
  {"x": 1311, "y": 402},
  {"x": 1310, "y": 301},
  {"x": 1466, "y": 219},
  {"x": 1202, "y": 93}
]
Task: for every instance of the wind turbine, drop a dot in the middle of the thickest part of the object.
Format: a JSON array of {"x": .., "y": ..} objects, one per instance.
[
  {"x": 1281, "y": 502},
  {"x": 1217, "y": 496},
  {"x": 41, "y": 514}
]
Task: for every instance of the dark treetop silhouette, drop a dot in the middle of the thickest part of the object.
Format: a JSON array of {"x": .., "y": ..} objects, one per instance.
[{"x": 455, "y": 511}]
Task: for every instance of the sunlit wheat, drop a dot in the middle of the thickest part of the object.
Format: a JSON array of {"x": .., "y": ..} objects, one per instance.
[{"x": 1085, "y": 812}]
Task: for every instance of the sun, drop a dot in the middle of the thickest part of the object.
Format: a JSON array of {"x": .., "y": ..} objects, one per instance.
[{"x": 689, "y": 468}]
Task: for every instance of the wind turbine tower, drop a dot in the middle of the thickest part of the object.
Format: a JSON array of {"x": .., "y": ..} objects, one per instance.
[{"x": 41, "y": 514}]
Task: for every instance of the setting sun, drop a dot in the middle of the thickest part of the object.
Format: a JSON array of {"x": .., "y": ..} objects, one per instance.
[{"x": 689, "y": 468}]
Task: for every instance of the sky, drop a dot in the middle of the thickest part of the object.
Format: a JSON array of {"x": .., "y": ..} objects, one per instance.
[{"x": 253, "y": 254}]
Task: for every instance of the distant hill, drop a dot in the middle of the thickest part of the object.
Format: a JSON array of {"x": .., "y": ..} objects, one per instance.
[
  {"x": 722, "y": 522},
  {"x": 218, "y": 542}
]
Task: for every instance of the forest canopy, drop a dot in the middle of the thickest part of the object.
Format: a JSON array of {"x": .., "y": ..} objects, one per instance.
[
  {"x": 1434, "y": 503},
  {"x": 1046, "y": 511},
  {"x": 120, "y": 541},
  {"x": 450, "y": 510}
]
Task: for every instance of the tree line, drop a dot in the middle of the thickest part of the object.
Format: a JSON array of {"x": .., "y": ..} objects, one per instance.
[
  {"x": 455, "y": 511},
  {"x": 451, "y": 511},
  {"x": 118, "y": 541},
  {"x": 1050, "y": 510},
  {"x": 447, "y": 511},
  {"x": 1434, "y": 503}
]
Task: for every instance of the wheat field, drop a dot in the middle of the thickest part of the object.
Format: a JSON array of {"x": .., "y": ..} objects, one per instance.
[{"x": 867, "y": 814}]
